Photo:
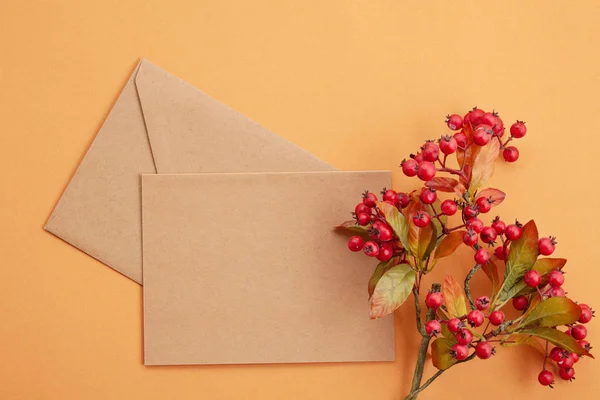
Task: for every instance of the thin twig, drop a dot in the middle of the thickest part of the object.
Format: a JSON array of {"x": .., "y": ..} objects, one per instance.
[{"x": 468, "y": 284}]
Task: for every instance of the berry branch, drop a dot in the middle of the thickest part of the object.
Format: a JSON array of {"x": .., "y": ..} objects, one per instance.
[{"x": 468, "y": 284}]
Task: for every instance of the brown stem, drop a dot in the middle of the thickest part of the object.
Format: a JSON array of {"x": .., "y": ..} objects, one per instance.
[{"x": 468, "y": 284}]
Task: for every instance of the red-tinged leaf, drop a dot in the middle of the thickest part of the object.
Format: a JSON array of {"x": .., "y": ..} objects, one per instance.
[
  {"x": 552, "y": 312},
  {"x": 397, "y": 221},
  {"x": 418, "y": 238},
  {"x": 491, "y": 271},
  {"x": 519, "y": 340},
  {"x": 350, "y": 228},
  {"x": 494, "y": 195},
  {"x": 522, "y": 255},
  {"x": 381, "y": 269},
  {"x": 454, "y": 297},
  {"x": 544, "y": 266},
  {"x": 557, "y": 338},
  {"x": 392, "y": 289},
  {"x": 440, "y": 353},
  {"x": 483, "y": 164},
  {"x": 442, "y": 184},
  {"x": 460, "y": 190},
  {"x": 449, "y": 244}
]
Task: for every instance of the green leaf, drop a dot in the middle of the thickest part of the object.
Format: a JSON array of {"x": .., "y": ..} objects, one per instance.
[
  {"x": 449, "y": 244},
  {"x": 381, "y": 269},
  {"x": 519, "y": 340},
  {"x": 483, "y": 164},
  {"x": 553, "y": 312},
  {"x": 557, "y": 338},
  {"x": 544, "y": 266},
  {"x": 351, "y": 229},
  {"x": 494, "y": 195},
  {"x": 442, "y": 184},
  {"x": 440, "y": 353},
  {"x": 522, "y": 255},
  {"x": 454, "y": 297},
  {"x": 491, "y": 271},
  {"x": 392, "y": 289},
  {"x": 397, "y": 221}
]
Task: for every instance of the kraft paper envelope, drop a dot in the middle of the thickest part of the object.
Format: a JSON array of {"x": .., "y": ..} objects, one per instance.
[
  {"x": 246, "y": 268},
  {"x": 158, "y": 124}
]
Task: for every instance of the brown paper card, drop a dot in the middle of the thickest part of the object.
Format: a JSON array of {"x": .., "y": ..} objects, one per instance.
[
  {"x": 246, "y": 268},
  {"x": 159, "y": 123}
]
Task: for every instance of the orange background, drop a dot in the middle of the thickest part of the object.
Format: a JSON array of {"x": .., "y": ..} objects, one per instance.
[{"x": 360, "y": 84}]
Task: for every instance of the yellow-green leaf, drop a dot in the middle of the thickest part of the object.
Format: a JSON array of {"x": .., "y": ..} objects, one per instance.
[
  {"x": 544, "y": 266},
  {"x": 381, "y": 269},
  {"x": 418, "y": 238},
  {"x": 440, "y": 353},
  {"x": 351, "y": 229},
  {"x": 449, "y": 244},
  {"x": 483, "y": 164},
  {"x": 397, "y": 221},
  {"x": 454, "y": 297},
  {"x": 557, "y": 338},
  {"x": 392, "y": 289},
  {"x": 553, "y": 312},
  {"x": 491, "y": 271}
]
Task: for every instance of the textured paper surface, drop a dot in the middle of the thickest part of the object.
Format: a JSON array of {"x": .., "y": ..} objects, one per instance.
[
  {"x": 245, "y": 268},
  {"x": 159, "y": 123}
]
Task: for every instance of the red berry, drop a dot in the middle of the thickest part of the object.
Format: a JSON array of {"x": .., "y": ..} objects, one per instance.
[
  {"x": 547, "y": 245},
  {"x": 520, "y": 303},
  {"x": 513, "y": 232},
  {"x": 532, "y": 278},
  {"x": 482, "y": 135},
  {"x": 363, "y": 219},
  {"x": 482, "y": 302},
  {"x": 557, "y": 354},
  {"x": 499, "y": 127},
  {"x": 371, "y": 249},
  {"x": 518, "y": 129},
  {"x": 448, "y": 144},
  {"x": 418, "y": 158},
  {"x": 426, "y": 170},
  {"x": 409, "y": 167},
  {"x": 556, "y": 292},
  {"x": 475, "y": 224},
  {"x": 362, "y": 209},
  {"x": 390, "y": 195},
  {"x": 454, "y": 325},
  {"x": 428, "y": 195},
  {"x": 579, "y": 332},
  {"x": 497, "y": 318},
  {"x": 482, "y": 256},
  {"x": 546, "y": 378},
  {"x": 464, "y": 336},
  {"x": 586, "y": 315},
  {"x": 460, "y": 351},
  {"x": 385, "y": 252},
  {"x": 470, "y": 237},
  {"x": 421, "y": 219},
  {"x": 585, "y": 345},
  {"x": 433, "y": 328},
  {"x": 461, "y": 140},
  {"x": 488, "y": 119},
  {"x": 498, "y": 226},
  {"x": 475, "y": 116},
  {"x": 449, "y": 207},
  {"x": 475, "y": 318},
  {"x": 566, "y": 373},
  {"x": 369, "y": 199},
  {"x": 454, "y": 121},
  {"x": 575, "y": 357},
  {"x": 484, "y": 205},
  {"x": 488, "y": 235},
  {"x": 470, "y": 212},
  {"x": 356, "y": 243},
  {"x": 431, "y": 152},
  {"x": 484, "y": 350},
  {"x": 403, "y": 200},
  {"x": 382, "y": 231},
  {"x": 510, "y": 154},
  {"x": 566, "y": 362},
  {"x": 500, "y": 252},
  {"x": 556, "y": 279},
  {"x": 434, "y": 300}
]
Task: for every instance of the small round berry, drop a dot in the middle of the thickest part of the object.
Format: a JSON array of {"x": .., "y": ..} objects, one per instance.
[
  {"x": 546, "y": 378},
  {"x": 421, "y": 219},
  {"x": 566, "y": 373},
  {"x": 470, "y": 212},
  {"x": 510, "y": 154},
  {"x": 461, "y": 140},
  {"x": 356, "y": 243},
  {"x": 499, "y": 127},
  {"x": 482, "y": 303},
  {"x": 369, "y": 199},
  {"x": 482, "y": 135},
  {"x": 475, "y": 318},
  {"x": 390, "y": 195},
  {"x": 566, "y": 362},
  {"x": 418, "y": 157},
  {"x": 488, "y": 119},
  {"x": 383, "y": 232},
  {"x": 454, "y": 122},
  {"x": 575, "y": 357},
  {"x": 464, "y": 336},
  {"x": 497, "y": 318},
  {"x": 403, "y": 200},
  {"x": 434, "y": 300},
  {"x": 513, "y": 232},
  {"x": 518, "y": 129},
  {"x": 454, "y": 325},
  {"x": 431, "y": 152},
  {"x": 557, "y": 354},
  {"x": 385, "y": 252},
  {"x": 556, "y": 292},
  {"x": 579, "y": 332},
  {"x": 586, "y": 315},
  {"x": 488, "y": 235},
  {"x": 500, "y": 252},
  {"x": 363, "y": 219},
  {"x": 475, "y": 116},
  {"x": 482, "y": 256},
  {"x": 362, "y": 209},
  {"x": 428, "y": 195},
  {"x": 484, "y": 205},
  {"x": 547, "y": 245},
  {"x": 448, "y": 144},
  {"x": 484, "y": 350},
  {"x": 498, "y": 225},
  {"x": 520, "y": 303},
  {"x": 449, "y": 207},
  {"x": 556, "y": 279},
  {"x": 433, "y": 328},
  {"x": 460, "y": 351},
  {"x": 532, "y": 278},
  {"x": 585, "y": 345},
  {"x": 409, "y": 167},
  {"x": 371, "y": 249},
  {"x": 470, "y": 237},
  {"x": 475, "y": 224},
  {"x": 426, "y": 170}
]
